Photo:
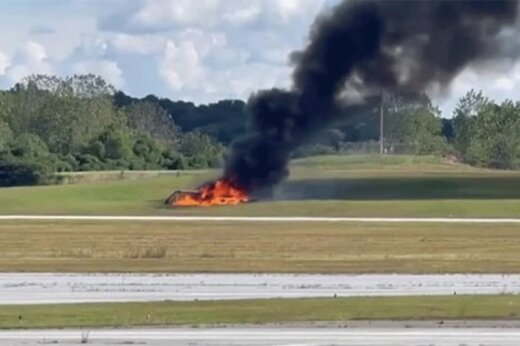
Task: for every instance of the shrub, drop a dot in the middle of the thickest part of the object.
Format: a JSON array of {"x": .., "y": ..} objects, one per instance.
[
  {"x": 198, "y": 161},
  {"x": 17, "y": 172},
  {"x": 175, "y": 161}
]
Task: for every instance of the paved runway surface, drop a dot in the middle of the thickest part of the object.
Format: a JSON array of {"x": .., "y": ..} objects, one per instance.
[
  {"x": 30, "y": 288},
  {"x": 269, "y": 336},
  {"x": 257, "y": 219}
]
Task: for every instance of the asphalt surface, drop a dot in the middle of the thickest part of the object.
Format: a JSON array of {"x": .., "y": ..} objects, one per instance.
[
  {"x": 258, "y": 219},
  {"x": 268, "y": 336},
  {"x": 38, "y": 288}
]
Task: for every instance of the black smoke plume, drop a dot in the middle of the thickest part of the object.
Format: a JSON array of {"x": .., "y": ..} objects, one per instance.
[{"x": 355, "y": 51}]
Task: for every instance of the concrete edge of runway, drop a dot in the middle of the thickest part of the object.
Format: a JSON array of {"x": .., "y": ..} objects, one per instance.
[{"x": 263, "y": 334}]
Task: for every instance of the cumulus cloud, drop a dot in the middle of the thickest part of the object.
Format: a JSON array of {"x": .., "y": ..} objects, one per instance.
[
  {"x": 136, "y": 44},
  {"x": 196, "y": 50},
  {"x": 181, "y": 66},
  {"x": 154, "y": 16},
  {"x": 4, "y": 63},
  {"x": 498, "y": 80},
  {"x": 30, "y": 59},
  {"x": 200, "y": 51},
  {"x": 187, "y": 70},
  {"x": 33, "y": 53},
  {"x": 107, "y": 69}
]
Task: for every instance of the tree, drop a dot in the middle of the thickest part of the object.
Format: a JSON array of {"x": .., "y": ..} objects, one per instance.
[
  {"x": 148, "y": 152},
  {"x": 411, "y": 120},
  {"x": 200, "y": 147},
  {"x": 468, "y": 108},
  {"x": 17, "y": 172},
  {"x": 6, "y": 136},
  {"x": 150, "y": 118},
  {"x": 224, "y": 120},
  {"x": 81, "y": 86},
  {"x": 65, "y": 113},
  {"x": 494, "y": 140},
  {"x": 117, "y": 144},
  {"x": 29, "y": 146}
]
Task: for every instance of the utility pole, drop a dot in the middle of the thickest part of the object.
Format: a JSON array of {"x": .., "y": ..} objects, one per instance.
[{"x": 382, "y": 124}]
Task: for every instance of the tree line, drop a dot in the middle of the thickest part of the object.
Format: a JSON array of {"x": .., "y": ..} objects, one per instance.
[
  {"x": 81, "y": 123},
  {"x": 50, "y": 124}
]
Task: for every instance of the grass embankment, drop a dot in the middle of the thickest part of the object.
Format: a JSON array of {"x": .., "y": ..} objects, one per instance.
[
  {"x": 260, "y": 311},
  {"x": 254, "y": 247},
  {"x": 320, "y": 186}
]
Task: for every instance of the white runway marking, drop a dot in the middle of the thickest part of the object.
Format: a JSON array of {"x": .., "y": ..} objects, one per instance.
[
  {"x": 54, "y": 288},
  {"x": 269, "y": 336},
  {"x": 258, "y": 219}
]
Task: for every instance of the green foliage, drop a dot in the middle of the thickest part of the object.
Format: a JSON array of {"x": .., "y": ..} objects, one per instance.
[
  {"x": 488, "y": 134},
  {"x": 468, "y": 108},
  {"x": 51, "y": 124},
  {"x": 412, "y": 125},
  {"x": 27, "y": 160},
  {"x": 495, "y": 140},
  {"x": 29, "y": 146},
  {"x": 6, "y": 136},
  {"x": 117, "y": 143},
  {"x": 88, "y": 162},
  {"x": 17, "y": 172},
  {"x": 175, "y": 160},
  {"x": 64, "y": 113},
  {"x": 147, "y": 117},
  {"x": 224, "y": 120},
  {"x": 414, "y": 122},
  {"x": 201, "y": 150}
]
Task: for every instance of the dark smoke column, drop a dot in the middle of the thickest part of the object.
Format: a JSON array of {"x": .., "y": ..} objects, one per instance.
[{"x": 361, "y": 48}]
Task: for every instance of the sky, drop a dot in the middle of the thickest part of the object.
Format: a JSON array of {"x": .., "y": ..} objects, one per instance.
[{"x": 193, "y": 50}]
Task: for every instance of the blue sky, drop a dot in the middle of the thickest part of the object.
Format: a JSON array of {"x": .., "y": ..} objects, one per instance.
[{"x": 195, "y": 50}]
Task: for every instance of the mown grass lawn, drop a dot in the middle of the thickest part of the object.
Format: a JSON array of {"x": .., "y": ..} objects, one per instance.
[
  {"x": 251, "y": 247},
  {"x": 320, "y": 186},
  {"x": 260, "y": 311}
]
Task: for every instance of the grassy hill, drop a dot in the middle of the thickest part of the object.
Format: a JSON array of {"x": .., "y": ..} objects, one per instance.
[{"x": 326, "y": 185}]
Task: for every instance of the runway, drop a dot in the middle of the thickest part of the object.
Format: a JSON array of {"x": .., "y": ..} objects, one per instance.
[
  {"x": 38, "y": 288},
  {"x": 268, "y": 336},
  {"x": 257, "y": 219}
]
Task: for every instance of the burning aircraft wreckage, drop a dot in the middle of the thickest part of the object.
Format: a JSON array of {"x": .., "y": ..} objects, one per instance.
[
  {"x": 220, "y": 192},
  {"x": 355, "y": 51}
]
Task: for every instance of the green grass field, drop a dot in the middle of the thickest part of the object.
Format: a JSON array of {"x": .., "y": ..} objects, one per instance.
[
  {"x": 260, "y": 311},
  {"x": 320, "y": 186},
  {"x": 252, "y": 247}
]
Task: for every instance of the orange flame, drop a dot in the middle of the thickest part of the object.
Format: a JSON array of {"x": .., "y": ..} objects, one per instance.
[{"x": 220, "y": 192}]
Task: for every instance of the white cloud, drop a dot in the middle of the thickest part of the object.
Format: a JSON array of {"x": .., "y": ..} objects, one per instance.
[
  {"x": 33, "y": 53},
  {"x": 242, "y": 15},
  {"x": 504, "y": 84},
  {"x": 154, "y": 16},
  {"x": 206, "y": 49},
  {"x": 137, "y": 44},
  {"x": 4, "y": 63},
  {"x": 181, "y": 66},
  {"x": 109, "y": 70},
  {"x": 198, "y": 50},
  {"x": 162, "y": 14},
  {"x": 247, "y": 79},
  {"x": 30, "y": 59},
  {"x": 497, "y": 80}
]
